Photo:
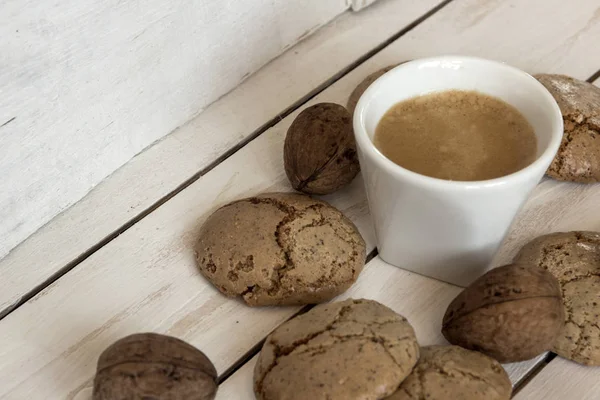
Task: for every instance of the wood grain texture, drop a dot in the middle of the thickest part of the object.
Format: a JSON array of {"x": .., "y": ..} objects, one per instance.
[
  {"x": 358, "y": 5},
  {"x": 146, "y": 279},
  {"x": 88, "y": 84},
  {"x": 163, "y": 167},
  {"x": 402, "y": 291},
  {"x": 562, "y": 380}
]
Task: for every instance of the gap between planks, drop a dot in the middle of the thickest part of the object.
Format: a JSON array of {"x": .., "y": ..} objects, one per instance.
[
  {"x": 594, "y": 77},
  {"x": 533, "y": 373},
  {"x": 266, "y": 126},
  {"x": 240, "y": 362}
]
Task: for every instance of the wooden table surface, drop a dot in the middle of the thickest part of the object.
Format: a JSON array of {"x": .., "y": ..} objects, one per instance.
[{"x": 121, "y": 261}]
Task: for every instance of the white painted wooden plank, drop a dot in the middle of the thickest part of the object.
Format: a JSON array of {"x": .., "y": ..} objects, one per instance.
[
  {"x": 147, "y": 279},
  {"x": 358, "y": 5},
  {"x": 563, "y": 380},
  {"x": 239, "y": 385},
  {"x": 161, "y": 168},
  {"x": 88, "y": 84},
  {"x": 421, "y": 300}
]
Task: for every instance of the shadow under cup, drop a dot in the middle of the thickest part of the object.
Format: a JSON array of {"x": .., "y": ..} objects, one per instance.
[{"x": 449, "y": 230}]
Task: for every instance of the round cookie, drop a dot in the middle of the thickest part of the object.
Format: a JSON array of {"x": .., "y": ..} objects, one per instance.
[
  {"x": 578, "y": 158},
  {"x": 354, "y": 349},
  {"x": 574, "y": 259},
  {"x": 360, "y": 89},
  {"x": 451, "y": 372},
  {"x": 280, "y": 249}
]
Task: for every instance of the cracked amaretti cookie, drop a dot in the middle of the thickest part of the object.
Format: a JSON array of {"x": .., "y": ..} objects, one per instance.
[
  {"x": 451, "y": 372},
  {"x": 578, "y": 158},
  {"x": 574, "y": 259},
  {"x": 280, "y": 249},
  {"x": 354, "y": 349}
]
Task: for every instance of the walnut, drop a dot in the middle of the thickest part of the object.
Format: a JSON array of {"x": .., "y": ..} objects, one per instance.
[
  {"x": 153, "y": 366},
  {"x": 319, "y": 151},
  {"x": 512, "y": 313}
]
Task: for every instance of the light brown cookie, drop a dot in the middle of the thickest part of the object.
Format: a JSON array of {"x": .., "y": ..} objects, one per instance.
[
  {"x": 574, "y": 259},
  {"x": 360, "y": 89},
  {"x": 354, "y": 349},
  {"x": 451, "y": 372},
  {"x": 280, "y": 249},
  {"x": 578, "y": 158}
]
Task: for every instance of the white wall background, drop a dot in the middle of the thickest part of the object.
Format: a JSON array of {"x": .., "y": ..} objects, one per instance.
[{"x": 87, "y": 84}]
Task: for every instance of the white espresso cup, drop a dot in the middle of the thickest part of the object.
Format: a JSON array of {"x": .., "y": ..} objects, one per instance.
[{"x": 449, "y": 230}]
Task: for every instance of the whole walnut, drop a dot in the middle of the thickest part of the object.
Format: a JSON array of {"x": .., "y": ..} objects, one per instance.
[
  {"x": 319, "y": 151},
  {"x": 512, "y": 313},
  {"x": 153, "y": 366}
]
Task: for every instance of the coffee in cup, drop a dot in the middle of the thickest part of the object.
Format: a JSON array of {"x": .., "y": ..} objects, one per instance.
[{"x": 457, "y": 135}]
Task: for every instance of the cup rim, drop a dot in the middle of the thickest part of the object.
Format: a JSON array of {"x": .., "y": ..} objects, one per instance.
[{"x": 368, "y": 147}]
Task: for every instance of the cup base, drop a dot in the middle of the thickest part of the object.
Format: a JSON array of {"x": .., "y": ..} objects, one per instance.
[{"x": 460, "y": 271}]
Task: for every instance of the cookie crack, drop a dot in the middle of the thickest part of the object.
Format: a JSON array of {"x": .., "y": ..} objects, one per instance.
[
  {"x": 452, "y": 373},
  {"x": 320, "y": 222},
  {"x": 280, "y": 351},
  {"x": 286, "y": 248},
  {"x": 588, "y": 124},
  {"x": 566, "y": 141},
  {"x": 546, "y": 250},
  {"x": 578, "y": 121},
  {"x": 347, "y": 238},
  {"x": 322, "y": 348},
  {"x": 409, "y": 394},
  {"x": 364, "y": 336},
  {"x": 580, "y": 236},
  {"x": 275, "y": 279},
  {"x": 249, "y": 289},
  {"x": 383, "y": 323},
  {"x": 421, "y": 379},
  {"x": 569, "y": 319},
  {"x": 292, "y": 349},
  {"x": 282, "y": 206},
  {"x": 580, "y": 278},
  {"x": 284, "y": 351},
  {"x": 292, "y": 213},
  {"x": 579, "y": 342},
  {"x": 384, "y": 345}
]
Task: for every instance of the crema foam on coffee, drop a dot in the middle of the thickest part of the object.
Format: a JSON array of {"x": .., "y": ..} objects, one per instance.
[{"x": 457, "y": 135}]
